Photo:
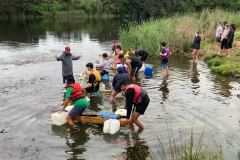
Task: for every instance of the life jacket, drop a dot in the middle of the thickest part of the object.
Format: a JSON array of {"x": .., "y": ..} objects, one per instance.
[
  {"x": 118, "y": 54},
  {"x": 139, "y": 93},
  {"x": 167, "y": 51},
  {"x": 97, "y": 78},
  {"x": 77, "y": 92}
]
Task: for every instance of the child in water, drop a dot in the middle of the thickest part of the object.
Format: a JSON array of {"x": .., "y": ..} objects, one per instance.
[{"x": 165, "y": 52}]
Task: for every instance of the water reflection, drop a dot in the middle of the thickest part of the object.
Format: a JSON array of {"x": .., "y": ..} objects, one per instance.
[
  {"x": 164, "y": 88},
  {"x": 195, "y": 74}
]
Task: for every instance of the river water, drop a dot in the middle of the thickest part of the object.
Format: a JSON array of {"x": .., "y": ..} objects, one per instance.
[{"x": 31, "y": 90}]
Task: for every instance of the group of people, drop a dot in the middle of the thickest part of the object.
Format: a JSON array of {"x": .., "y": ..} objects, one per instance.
[
  {"x": 224, "y": 38},
  {"x": 121, "y": 83}
]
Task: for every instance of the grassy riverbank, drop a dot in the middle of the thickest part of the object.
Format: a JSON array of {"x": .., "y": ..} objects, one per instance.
[{"x": 177, "y": 31}]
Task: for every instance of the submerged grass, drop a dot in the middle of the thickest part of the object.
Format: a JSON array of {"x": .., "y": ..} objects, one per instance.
[{"x": 177, "y": 31}]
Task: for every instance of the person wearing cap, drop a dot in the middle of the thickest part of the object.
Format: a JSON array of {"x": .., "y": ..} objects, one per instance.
[
  {"x": 114, "y": 47},
  {"x": 106, "y": 64},
  {"x": 116, "y": 82},
  {"x": 66, "y": 59},
  {"x": 94, "y": 80},
  {"x": 74, "y": 93},
  {"x": 140, "y": 53}
]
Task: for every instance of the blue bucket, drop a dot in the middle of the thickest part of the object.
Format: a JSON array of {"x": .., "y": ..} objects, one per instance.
[
  {"x": 96, "y": 93},
  {"x": 124, "y": 68},
  {"x": 108, "y": 115},
  {"x": 148, "y": 70},
  {"x": 105, "y": 77}
]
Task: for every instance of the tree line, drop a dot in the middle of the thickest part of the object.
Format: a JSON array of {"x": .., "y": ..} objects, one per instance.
[{"x": 138, "y": 8}]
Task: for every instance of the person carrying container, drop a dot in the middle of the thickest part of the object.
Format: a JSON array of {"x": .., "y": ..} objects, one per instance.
[
  {"x": 138, "y": 97},
  {"x": 165, "y": 52},
  {"x": 140, "y": 53},
  {"x": 133, "y": 66},
  {"x": 106, "y": 64},
  {"x": 114, "y": 47},
  {"x": 94, "y": 80},
  {"x": 74, "y": 93},
  {"x": 66, "y": 59},
  {"x": 116, "y": 82}
]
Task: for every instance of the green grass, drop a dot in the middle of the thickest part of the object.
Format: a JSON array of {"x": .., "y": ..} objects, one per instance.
[{"x": 177, "y": 31}]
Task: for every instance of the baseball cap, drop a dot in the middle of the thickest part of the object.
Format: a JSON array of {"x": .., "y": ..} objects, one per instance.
[
  {"x": 105, "y": 55},
  {"x": 67, "y": 48}
]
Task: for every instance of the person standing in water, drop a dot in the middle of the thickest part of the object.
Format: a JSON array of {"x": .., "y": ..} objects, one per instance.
[
  {"x": 138, "y": 97},
  {"x": 66, "y": 58},
  {"x": 74, "y": 92},
  {"x": 114, "y": 47},
  {"x": 140, "y": 53},
  {"x": 218, "y": 36},
  {"x": 133, "y": 66},
  {"x": 165, "y": 52},
  {"x": 196, "y": 46}
]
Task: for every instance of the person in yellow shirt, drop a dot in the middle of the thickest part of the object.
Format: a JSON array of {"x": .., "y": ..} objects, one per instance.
[{"x": 94, "y": 80}]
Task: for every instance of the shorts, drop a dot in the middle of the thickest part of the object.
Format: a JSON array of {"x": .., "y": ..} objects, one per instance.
[
  {"x": 164, "y": 65},
  {"x": 229, "y": 45},
  {"x": 135, "y": 71},
  {"x": 218, "y": 39},
  {"x": 141, "y": 107},
  {"x": 144, "y": 57},
  {"x": 103, "y": 72},
  {"x": 76, "y": 112},
  {"x": 224, "y": 44}
]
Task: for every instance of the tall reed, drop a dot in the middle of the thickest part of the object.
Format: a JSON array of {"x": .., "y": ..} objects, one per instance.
[{"x": 177, "y": 31}]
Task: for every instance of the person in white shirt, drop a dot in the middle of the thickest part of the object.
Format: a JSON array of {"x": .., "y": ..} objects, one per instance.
[{"x": 218, "y": 36}]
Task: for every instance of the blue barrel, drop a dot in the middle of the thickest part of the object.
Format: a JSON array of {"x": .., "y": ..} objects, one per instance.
[
  {"x": 105, "y": 77},
  {"x": 148, "y": 70},
  {"x": 108, "y": 115},
  {"x": 124, "y": 69}
]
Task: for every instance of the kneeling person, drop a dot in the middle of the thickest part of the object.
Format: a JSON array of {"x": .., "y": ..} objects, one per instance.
[
  {"x": 116, "y": 83},
  {"x": 94, "y": 80},
  {"x": 138, "y": 97},
  {"x": 106, "y": 64},
  {"x": 74, "y": 92}
]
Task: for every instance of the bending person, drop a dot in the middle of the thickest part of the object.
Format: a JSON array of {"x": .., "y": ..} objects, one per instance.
[
  {"x": 74, "y": 92},
  {"x": 133, "y": 66},
  {"x": 140, "y": 53},
  {"x": 116, "y": 82},
  {"x": 138, "y": 97},
  {"x": 94, "y": 80}
]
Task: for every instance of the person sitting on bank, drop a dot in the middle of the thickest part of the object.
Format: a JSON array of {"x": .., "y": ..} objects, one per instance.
[
  {"x": 66, "y": 59},
  {"x": 106, "y": 64},
  {"x": 116, "y": 83},
  {"x": 114, "y": 47},
  {"x": 133, "y": 66},
  {"x": 94, "y": 80},
  {"x": 138, "y": 97},
  {"x": 74, "y": 92},
  {"x": 140, "y": 53},
  {"x": 116, "y": 59}
]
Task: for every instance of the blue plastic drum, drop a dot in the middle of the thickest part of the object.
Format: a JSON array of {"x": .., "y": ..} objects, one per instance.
[
  {"x": 148, "y": 70},
  {"x": 105, "y": 77}
]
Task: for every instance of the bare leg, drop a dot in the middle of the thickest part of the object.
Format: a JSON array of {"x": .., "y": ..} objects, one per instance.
[
  {"x": 112, "y": 96},
  {"x": 69, "y": 120},
  {"x": 134, "y": 79},
  {"x": 196, "y": 55},
  {"x": 134, "y": 119},
  {"x": 167, "y": 71},
  {"x": 219, "y": 47},
  {"x": 230, "y": 52}
]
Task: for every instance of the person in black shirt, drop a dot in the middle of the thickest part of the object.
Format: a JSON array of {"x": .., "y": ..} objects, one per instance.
[
  {"x": 140, "y": 53},
  {"x": 196, "y": 46},
  {"x": 138, "y": 97},
  {"x": 230, "y": 39},
  {"x": 133, "y": 66}
]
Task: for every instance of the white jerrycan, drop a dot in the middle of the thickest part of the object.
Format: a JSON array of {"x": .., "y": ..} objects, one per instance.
[
  {"x": 111, "y": 126},
  {"x": 102, "y": 87},
  {"x": 121, "y": 112},
  {"x": 60, "y": 118}
]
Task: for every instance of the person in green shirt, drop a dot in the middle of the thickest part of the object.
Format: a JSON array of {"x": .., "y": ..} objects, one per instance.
[{"x": 74, "y": 92}]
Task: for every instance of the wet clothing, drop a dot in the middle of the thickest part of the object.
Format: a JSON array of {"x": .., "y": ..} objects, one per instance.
[
  {"x": 136, "y": 64},
  {"x": 138, "y": 97},
  {"x": 76, "y": 112},
  {"x": 66, "y": 59},
  {"x": 94, "y": 79},
  {"x": 80, "y": 103},
  {"x": 196, "y": 43},
  {"x": 142, "y": 53},
  {"x": 117, "y": 80},
  {"x": 116, "y": 46}
]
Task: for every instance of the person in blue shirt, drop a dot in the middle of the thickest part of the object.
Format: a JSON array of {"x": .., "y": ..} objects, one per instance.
[{"x": 116, "y": 83}]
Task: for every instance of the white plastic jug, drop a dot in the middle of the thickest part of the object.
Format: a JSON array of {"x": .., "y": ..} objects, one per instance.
[
  {"x": 102, "y": 87},
  {"x": 88, "y": 99},
  {"x": 111, "y": 126},
  {"x": 60, "y": 118},
  {"x": 121, "y": 112}
]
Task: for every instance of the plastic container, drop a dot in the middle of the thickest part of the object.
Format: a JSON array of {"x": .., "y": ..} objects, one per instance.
[
  {"x": 108, "y": 115},
  {"x": 102, "y": 87},
  {"x": 121, "y": 112},
  {"x": 111, "y": 126},
  {"x": 105, "y": 77},
  {"x": 123, "y": 67},
  {"x": 88, "y": 100},
  {"x": 148, "y": 70},
  {"x": 142, "y": 69},
  {"x": 60, "y": 118},
  {"x": 96, "y": 93}
]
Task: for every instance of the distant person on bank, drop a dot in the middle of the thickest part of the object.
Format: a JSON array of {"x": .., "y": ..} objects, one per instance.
[
  {"x": 116, "y": 83},
  {"x": 140, "y": 53},
  {"x": 114, "y": 47},
  {"x": 66, "y": 58},
  {"x": 74, "y": 92},
  {"x": 224, "y": 39},
  {"x": 196, "y": 46},
  {"x": 138, "y": 97},
  {"x": 218, "y": 36},
  {"x": 94, "y": 80},
  {"x": 230, "y": 39}
]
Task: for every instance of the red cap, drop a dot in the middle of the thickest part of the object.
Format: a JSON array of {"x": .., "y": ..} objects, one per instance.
[{"x": 67, "y": 48}]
